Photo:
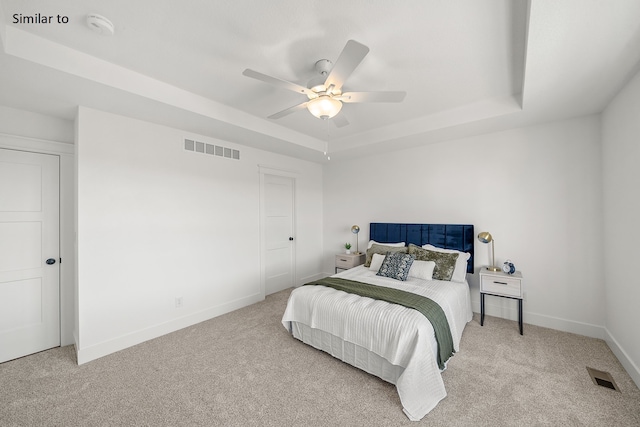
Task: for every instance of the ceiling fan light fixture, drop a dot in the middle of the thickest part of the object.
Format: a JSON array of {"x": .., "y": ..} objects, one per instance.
[
  {"x": 324, "y": 107},
  {"x": 316, "y": 84},
  {"x": 325, "y": 91}
]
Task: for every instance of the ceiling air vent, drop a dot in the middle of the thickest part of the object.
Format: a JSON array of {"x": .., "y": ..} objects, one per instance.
[{"x": 210, "y": 149}]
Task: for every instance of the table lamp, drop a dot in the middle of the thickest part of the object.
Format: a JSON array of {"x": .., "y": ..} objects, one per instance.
[
  {"x": 485, "y": 237},
  {"x": 355, "y": 230}
]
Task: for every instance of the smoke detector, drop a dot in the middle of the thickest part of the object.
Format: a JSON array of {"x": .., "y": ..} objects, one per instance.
[{"x": 100, "y": 24}]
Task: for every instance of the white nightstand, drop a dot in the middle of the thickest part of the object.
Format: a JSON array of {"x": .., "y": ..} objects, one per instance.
[
  {"x": 501, "y": 285},
  {"x": 347, "y": 261}
]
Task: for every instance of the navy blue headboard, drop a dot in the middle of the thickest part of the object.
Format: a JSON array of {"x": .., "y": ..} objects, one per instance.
[{"x": 448, "y": 236}]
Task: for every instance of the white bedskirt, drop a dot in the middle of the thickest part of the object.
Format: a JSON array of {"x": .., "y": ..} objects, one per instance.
[{"x": 392, "y": 342}]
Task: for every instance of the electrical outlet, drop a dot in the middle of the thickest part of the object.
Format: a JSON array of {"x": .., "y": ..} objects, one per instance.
[
  {"x": 178, "y": 302},
  {"x": 524, "y": 296}
]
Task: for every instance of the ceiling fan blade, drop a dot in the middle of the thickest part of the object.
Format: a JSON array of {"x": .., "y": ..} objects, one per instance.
[
  {"x": 351, "y": 97},
  {"x": 277, "y": 82},
  {"x": 288, "y": 111},
  {"x": 351, "y": 56},
  {"x": 340, "y": 120}
]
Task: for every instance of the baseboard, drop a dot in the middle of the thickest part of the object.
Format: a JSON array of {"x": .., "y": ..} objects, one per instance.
[
  {"x": 76, "y": 343},
  {"x": 628, "y": 364},
  {"x": 105, "y": 348},
  {"x": 545, "y": 321}
]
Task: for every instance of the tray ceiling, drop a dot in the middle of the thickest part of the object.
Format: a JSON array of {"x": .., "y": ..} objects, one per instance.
[{"x": 467, "y": 66}]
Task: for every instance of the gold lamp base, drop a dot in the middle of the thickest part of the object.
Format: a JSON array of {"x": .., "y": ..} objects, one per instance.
[{"x": 492, "y": 268}]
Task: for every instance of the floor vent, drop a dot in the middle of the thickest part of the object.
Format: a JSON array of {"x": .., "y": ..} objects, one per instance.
[
  {"x": 210, "y": 149},
  {"x": 602, "y": 378}
]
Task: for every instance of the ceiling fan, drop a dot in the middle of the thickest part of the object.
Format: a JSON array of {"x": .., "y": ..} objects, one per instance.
[{"x": 324, "y": 93}]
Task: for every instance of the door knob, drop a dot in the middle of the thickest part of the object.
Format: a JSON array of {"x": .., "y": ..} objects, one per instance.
[
  {"x": 290, "y": 238},
  {"x": 51, "y": 261}
]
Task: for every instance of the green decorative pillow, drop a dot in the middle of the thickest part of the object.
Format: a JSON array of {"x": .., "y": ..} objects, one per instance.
[
  {"x": 396, "y": 265},
  {"x": 445, "y": 262},
  {"x": 382, "y": 250}
]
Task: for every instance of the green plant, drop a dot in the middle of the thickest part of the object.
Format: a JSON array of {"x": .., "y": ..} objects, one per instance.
[{"x": 347, "y": 246}]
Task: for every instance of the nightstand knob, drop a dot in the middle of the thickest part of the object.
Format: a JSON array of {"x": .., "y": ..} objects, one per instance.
[{"x": 290, "y": 238}]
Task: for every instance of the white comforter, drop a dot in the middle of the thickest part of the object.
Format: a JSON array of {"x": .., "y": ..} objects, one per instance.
[{"x": 402, "y": 336}]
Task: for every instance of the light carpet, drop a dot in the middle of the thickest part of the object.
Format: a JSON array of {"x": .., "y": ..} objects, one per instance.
[{"x": 244, "y": 369}]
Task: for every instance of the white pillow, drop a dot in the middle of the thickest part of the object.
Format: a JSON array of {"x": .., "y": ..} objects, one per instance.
[
  {"x": 422, "y": 269},
  {"x": 460, "y": 270},
  {"x": 376, "y": 262},
  {"x": 395, "y": 245}
]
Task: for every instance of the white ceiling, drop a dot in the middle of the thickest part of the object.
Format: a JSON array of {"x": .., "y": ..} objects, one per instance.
[{"x": 468, "y": 66}]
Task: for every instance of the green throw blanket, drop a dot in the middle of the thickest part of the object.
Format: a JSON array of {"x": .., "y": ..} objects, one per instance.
[{"x": 429, "y": 308}]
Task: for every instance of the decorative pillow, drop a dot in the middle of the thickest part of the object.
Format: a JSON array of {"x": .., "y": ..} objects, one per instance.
[
  {"x": 395, "y": 245},
  {"x": 445, "y": 263},
  {"x": 376, "y": 262},
  {"x": 396, "y": 266},
  {"x": 420, "y": 269},
  {"x": 382, "y": 249},
  {"x": 460, "y": 272}
]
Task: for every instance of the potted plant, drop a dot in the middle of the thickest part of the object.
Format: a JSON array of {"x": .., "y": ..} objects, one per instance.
[{"x": 347, "y": 246}]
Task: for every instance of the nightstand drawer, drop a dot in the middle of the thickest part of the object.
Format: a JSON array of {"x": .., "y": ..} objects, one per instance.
[
  {"x": 345, "y": 262},
  {"x": 348, "y": 261},
  {"x": 501, "y": 285}
]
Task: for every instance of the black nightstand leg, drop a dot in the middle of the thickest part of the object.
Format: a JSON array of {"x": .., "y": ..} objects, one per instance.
[
  {"x": 520, "y": 315},
  {"x": 481, "y": 309}
]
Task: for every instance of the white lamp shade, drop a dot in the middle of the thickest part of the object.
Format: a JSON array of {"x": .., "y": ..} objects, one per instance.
[{"x": 324, "y": 107}]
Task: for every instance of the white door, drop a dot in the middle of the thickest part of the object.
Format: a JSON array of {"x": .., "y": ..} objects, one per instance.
[
  {"x": 279, "y": 238},
  {"x": 29, "y": 227}
]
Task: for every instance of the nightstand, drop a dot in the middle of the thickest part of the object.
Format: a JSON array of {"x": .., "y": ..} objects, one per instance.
[
  {"x": 502, "y": 285},
  {"x": 347, "y": 261}
]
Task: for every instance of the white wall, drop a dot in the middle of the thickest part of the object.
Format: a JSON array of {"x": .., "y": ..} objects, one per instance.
[
  {"x": 621, "y": 179},
  {"x": 536, "y": 189},
  {"x": 33, "y": 125},
  {"x": 27, "y": 131},
  {"x": 156, "y": 222}
]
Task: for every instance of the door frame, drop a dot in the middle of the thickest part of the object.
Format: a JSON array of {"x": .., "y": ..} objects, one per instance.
[
  {"x": 66, "y": 226},
  {"x": 276, "y": 171}
]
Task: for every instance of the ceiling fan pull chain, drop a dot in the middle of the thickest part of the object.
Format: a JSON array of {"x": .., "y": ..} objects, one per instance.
[{"x": 326, "y": 145}]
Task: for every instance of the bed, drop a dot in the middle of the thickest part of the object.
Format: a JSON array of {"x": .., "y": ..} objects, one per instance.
[{"x": 391, "y": 341}]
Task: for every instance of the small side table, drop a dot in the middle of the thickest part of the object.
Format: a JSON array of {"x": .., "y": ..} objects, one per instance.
[
  {"x": 347, "y": 261},
  {"x": 502, "y": 285}
]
